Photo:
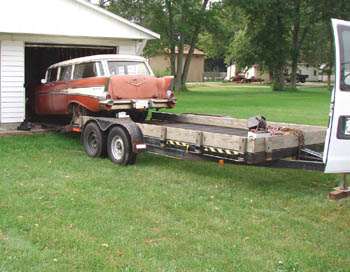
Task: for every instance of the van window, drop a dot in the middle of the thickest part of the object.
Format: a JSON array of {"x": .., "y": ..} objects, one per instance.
[
  {"x": 66, "y": 73},
  {"x": 85, "y": 70},
  {"x": 52, "y": 75},
  {"x": 344, "y": 39}
]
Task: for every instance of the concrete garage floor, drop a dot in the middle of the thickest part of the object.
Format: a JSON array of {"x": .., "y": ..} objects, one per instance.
[{"x": 11, "y": 130}]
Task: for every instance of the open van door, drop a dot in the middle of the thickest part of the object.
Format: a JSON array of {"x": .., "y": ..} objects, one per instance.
[{"x": 337, "y": 144}]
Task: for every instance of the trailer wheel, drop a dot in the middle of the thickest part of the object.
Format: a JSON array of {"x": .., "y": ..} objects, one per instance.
[
  {"x": 119, "y": 147},
  {"x": 93, "y": 139}
]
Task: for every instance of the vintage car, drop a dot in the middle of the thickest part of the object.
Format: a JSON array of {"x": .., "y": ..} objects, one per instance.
[{"x": 102, "y": 85}]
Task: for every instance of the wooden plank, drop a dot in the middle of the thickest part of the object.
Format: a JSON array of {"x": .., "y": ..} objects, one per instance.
[
  {"x": 10, "y": 69},
  {"x": 201, "y": 119},
  {"x": 339, "y": 194},
  {"x": 12, "y": 105},
  {"x": 5, "y": 100},
  {"x": 268, "y": 148},
  {"x": 7, "y": 73},
  {"x": 11, "y": 84},
  {"x": 304, "y": 128},
  {"x": 315, "y": 137},
  {"x": 182, "y": 135},
  {"x": 13, "y": 78},
  {"x": 191, "y": 136},
  {"x": 18, "y": 114},
  {"x": 223, "y": 141},
  {"x": 14, "y": 110},
  {"x": 221, "y": 121},
  {"x": 13, "y": 57},
  {"x": 12, "y": 119},
  {"x": 150, "y": 130},
  {"x": 12, "y": 94}
]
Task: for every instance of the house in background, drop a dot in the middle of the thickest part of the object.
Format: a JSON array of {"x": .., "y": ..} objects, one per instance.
[
  {"x": 312, "y": 72},
  {"x": 161, "y": 65},
  {"x": 248, "y": 72},
  {"x": 42, "y": 32}
]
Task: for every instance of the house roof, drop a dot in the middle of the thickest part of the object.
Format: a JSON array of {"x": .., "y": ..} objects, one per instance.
[
  {"x": 186, "y": 50},
  {"x": 195, "y": 52},
  {"x": 76, "y": 18}
]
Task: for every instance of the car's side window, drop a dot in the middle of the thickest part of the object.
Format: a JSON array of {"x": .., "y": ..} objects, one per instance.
[
  {"x": 84, "y": 70},
  {"x": 52, "y": 75},
  {"x": 100, "y": 68},
  {"x": 66, "y": 73}
]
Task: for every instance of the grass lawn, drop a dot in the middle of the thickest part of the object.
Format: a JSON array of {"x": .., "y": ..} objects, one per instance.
[{"x": 63, "y": 211}]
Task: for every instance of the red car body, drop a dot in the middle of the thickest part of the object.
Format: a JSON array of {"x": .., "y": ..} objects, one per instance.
[{"x": 102, "y": 84}]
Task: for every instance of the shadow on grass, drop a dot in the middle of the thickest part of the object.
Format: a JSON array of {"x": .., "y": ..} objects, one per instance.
[{"x": 293, "y": 183}]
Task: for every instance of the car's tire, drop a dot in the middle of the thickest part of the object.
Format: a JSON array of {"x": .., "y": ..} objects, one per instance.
[
  {"x": 119, "y": 147},
  {"x": 94, "y": 142},
  {"x": 138, "y": 116}
]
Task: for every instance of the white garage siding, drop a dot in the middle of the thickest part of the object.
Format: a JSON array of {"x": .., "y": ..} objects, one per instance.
[
  {"x": 63, "y": 22},
  {"x": 12, "y": 95}
]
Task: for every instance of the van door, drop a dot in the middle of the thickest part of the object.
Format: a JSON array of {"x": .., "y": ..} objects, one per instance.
[{"x": 337, "y": 144}]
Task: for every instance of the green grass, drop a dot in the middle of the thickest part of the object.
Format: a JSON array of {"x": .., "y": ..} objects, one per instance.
[
  {"x": 63, "y": 211},
  {"x": 305, "y": 106}
]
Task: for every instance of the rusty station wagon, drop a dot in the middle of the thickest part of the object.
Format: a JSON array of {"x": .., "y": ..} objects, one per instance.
[{"x": 103, "y": 85}]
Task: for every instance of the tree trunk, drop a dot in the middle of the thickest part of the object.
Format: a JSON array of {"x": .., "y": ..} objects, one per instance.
[
  {"x": 329, "y": 82},
  {"x": 295, "y": 55},
  {"x": 178, "y": 81},
  {"x": 171, "y": 38},
  {"x": 192, "y": 47},
  {"x": 279, "y": 80}
]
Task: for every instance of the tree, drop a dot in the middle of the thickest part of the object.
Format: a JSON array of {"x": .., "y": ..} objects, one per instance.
[
  {"x": 288, "y": 24},
  {"x": 179, "y": 23},
  {"x": 318, "y": 49},
  {"x": 262, "y": 37}
]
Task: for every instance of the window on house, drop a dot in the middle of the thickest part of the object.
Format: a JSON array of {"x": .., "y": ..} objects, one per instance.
[{"x": 315, "y": 72}]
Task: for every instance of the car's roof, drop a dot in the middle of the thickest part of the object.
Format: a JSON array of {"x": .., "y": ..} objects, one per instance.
[{"x": 113, "y": 57}]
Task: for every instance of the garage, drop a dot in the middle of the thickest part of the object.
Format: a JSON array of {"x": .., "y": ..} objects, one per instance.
[{"x": 41, "y": 37}]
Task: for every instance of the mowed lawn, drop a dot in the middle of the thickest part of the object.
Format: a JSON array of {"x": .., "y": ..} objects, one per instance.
[{"x": 63, "y": 211}]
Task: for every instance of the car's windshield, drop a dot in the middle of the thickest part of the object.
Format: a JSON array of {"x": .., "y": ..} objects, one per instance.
[{"x": 128, "y": 68}]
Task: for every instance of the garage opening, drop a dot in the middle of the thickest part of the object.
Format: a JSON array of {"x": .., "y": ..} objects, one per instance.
[{"x": 38, "y": 57}]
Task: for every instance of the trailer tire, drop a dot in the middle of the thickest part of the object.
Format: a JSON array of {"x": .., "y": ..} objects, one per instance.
[
  {"x": 119, "y": 147},
  {"x": 94, "y": 141}
]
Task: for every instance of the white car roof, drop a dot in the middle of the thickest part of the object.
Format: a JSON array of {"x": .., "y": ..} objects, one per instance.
[{"x": 112, "y": 57}]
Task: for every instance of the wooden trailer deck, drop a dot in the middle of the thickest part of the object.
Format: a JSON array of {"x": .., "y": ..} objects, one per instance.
[{"x": 228, "y": 137}]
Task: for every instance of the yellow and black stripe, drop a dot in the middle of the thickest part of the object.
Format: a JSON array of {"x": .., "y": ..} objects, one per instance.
[{"x": 213, "y": 151}]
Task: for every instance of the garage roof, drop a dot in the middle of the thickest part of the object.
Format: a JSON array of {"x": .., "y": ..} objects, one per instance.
[{"x": 76, "y": 18}]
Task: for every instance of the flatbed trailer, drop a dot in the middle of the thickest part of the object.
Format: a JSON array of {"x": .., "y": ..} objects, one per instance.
[
  {"x": 204, "y": 137},
  {"x": 210, "y": 137}
]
